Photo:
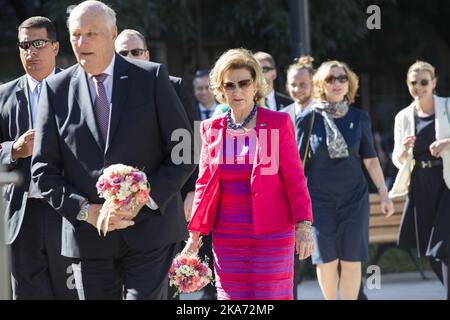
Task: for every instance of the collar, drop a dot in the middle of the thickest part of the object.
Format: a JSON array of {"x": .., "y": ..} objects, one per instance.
[
  {"x": 33, "y": 83},
  {"x": 109, "y": 69},
  {"x": 201, "y": 107},
  {"x": 271, "y": 96},
  {"x": 299, "y": 109}
]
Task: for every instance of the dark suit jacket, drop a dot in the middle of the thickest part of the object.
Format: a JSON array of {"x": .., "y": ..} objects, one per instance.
[
  {"x": 184, "y": 93},
  {"x": 69, "y": 154},
  {"x": 282, "y": 100},
  {"x": 15, "y": 120}
]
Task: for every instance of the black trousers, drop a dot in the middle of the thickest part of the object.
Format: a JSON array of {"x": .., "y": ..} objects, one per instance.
[
  {"x": 130, "y": 275},
  {"x": 38, "y": 270},
  {"x": 440, "y": 268}
]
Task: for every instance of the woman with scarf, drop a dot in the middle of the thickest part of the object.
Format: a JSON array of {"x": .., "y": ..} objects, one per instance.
[{"x": 339, "y": 141}]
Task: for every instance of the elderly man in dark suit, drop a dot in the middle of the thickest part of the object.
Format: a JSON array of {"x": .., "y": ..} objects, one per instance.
[
  {"x": 33, "y": 227},
  {"x": 107, "y": 110}
]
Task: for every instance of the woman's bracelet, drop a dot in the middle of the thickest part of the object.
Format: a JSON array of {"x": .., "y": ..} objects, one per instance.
[
  {"x": 303, "y": 225},
  {"x": 382, "y": 188}
]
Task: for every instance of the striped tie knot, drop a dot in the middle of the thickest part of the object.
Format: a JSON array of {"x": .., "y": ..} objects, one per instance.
[{"x": 100, "y": 78}]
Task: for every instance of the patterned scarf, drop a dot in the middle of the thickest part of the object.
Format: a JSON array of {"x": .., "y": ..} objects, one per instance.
[{"x": 337, "y": 147}]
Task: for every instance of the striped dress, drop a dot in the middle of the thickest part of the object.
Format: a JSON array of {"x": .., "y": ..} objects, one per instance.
[{"x": 247, "y": 266}]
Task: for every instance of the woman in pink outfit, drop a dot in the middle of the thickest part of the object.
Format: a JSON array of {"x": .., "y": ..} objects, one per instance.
[{"x": 251, "y": 191}]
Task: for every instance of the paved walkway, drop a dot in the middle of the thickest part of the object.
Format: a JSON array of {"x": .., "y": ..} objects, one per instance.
[{"x": 395, "y": 286}]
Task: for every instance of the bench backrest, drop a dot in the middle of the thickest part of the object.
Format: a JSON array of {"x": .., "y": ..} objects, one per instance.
[{"x": 382, "y": 229}]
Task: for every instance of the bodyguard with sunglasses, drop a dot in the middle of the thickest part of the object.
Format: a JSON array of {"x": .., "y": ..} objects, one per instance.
[
  {"x": 422, "y": 153},
  {"x": 274, "y": 100},
  {"x": 33, "y": 227},
  {"x": 340, "y": 140}
]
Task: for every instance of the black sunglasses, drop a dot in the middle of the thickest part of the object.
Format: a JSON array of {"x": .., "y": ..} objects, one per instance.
[
  {"x": 423, "y": 82},
  {"x": 38, "y": 43},
  {"x": 243, "y": 84},
  {"x": 267, "y": 69},
  {"x": 134, "y": 52},
  {"x": 342, "y": 79}
]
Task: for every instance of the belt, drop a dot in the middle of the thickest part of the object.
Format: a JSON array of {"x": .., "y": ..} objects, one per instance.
[{"x": 429, "y": 163}]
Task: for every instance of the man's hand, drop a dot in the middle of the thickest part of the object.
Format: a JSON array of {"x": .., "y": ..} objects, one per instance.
[
  {"x": 93, "y": 213},
  {"x": 107, "y": 219},
  {"x": 23, "y": 147}
]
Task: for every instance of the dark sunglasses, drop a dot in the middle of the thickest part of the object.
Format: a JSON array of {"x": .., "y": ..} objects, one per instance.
[
  {"x": 267, "y": 69},
  {"x": 331, "y": 79},
  {"x": 134, "y": 52},
  {"x": 38, "y": 43},
  {"x": 243, "y": 84},
  {"x": 423, "y": 82}
]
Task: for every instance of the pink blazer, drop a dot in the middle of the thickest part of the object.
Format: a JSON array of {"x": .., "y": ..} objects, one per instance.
[{"x": 280, "y": 197}]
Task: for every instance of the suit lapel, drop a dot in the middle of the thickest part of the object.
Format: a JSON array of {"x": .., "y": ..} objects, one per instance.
[
  {"x": 24, "y": 113},
  {"x": 83, "y": 98},
  {"x": 120, "y": 91}
]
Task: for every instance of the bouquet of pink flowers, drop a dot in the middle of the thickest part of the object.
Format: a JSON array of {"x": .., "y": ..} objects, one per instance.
[
  {"x": 189, "y": 274},
  {"x": 124, "y": 188}
]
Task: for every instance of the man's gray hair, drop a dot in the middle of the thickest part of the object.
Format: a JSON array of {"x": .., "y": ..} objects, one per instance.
[{"x": 94, "y": 5}]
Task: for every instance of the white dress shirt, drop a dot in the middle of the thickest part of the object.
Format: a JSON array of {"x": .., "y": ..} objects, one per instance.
[
  {"x": 271, "y": 102},
  {"x": 299, "y": 110},
  {"x": 33, "y": 94}
]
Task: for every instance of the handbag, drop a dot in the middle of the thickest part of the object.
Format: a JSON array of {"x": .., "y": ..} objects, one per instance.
[{"x": 306, "y": 140}]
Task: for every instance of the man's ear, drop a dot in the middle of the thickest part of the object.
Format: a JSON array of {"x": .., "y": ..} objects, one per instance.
[
  {"x": 56, "y": 48},
  {"x": 114, "y": 33}
]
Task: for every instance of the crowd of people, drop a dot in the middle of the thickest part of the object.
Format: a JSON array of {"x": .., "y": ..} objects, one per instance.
[{"x": 279, "y": 178}]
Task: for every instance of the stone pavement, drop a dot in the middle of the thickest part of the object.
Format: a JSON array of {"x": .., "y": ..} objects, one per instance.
[{"x": 394, "y": 286}]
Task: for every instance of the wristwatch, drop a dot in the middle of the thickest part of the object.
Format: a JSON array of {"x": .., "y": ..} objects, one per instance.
[{"x": 84, "y": 212}]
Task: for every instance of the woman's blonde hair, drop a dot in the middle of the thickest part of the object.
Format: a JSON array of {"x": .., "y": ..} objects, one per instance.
[
  {"x": 237, "y": 59},
  {"x": 421, "y": 66},
  {"x": 324, "y": 71}
]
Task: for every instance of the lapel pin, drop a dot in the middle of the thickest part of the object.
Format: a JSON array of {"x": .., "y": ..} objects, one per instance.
[
  {"x": 263, "y": 124},
  {"x": 351, "y": 125},
  {"x": 123, "y": 77}
]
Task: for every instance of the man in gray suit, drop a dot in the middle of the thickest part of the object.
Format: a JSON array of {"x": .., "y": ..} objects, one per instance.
[
  {"x": 33, "y": 227},
  {"x": 107, "y": 110}
]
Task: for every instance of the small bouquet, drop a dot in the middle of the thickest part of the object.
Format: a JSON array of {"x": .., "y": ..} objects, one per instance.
[
  {"x": 124, "y": 188},
  {"x": 189, "y": 274}
]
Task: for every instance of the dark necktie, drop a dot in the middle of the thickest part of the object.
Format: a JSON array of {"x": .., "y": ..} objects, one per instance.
[
  {"x": 206, "y": 114},
  {"x": 101, "y": 105}
]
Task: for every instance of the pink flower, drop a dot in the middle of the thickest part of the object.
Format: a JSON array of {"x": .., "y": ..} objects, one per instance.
[
  {"x": 193, "y": 262},
  {"x": 142, "y": 196}
]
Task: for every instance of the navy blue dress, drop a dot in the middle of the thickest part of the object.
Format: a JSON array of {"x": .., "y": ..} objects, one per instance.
[
  {"x": 338, "y": 188},
  {"x": 426, "y": 217}
]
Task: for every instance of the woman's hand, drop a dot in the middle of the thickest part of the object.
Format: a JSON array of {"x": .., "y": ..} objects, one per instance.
[
  {"x": 304, "y": 243},
  {"x": 193, "y": 244},
  {"x": 188, "y": 203},
  {"x": 438, "y": 146},
  {"x": 407, "y": 144},
  {"x": 387, "y": 206}
]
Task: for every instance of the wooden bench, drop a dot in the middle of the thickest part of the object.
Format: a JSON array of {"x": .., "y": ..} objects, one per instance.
[{"x": 384, "y": 231}]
